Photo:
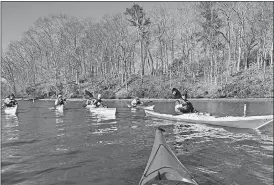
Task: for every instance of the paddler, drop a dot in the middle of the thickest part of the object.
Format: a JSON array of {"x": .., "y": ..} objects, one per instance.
[
  {"x": 9, "y": 101},
  {"x": 136, "y": 101},
  {"x": 182, "y": 105},
  {"x": 60, "y": 100},
  {"x": 99, "y": 102}
]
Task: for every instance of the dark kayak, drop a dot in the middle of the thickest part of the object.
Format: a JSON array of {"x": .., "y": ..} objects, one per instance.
[{"x": 163, "y": 167}]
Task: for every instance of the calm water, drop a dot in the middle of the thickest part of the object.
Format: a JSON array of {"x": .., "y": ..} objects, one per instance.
[{"x": 42, "y": 146}]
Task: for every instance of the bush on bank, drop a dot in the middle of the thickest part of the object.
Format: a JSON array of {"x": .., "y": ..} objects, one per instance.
[{"x": 249, "y": 84}]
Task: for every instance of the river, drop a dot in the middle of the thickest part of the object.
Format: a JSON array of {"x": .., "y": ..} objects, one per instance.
[{"x": 42, "y": 146}]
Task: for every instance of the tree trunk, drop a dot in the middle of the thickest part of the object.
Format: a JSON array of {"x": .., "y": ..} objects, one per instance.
[
  {"x": 258, "y": 59},
  {"x": 152, "y": 63},
  {"x": 239, "y": 51},
  {"x": 264, "y": 67},
  {"x": 216, "y": 67},
  {"x": 142, "y": 60},
  {"x": 239, "y": 58},
  {"x": 229, "y": 50},
  {"x": 162, "y": 60},
  {"x": 125, "y": 74},
  {"x": 211, "y": 67}
]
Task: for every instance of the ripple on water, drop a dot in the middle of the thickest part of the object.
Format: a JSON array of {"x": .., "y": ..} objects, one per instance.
[{"x": 226, "y": 152}]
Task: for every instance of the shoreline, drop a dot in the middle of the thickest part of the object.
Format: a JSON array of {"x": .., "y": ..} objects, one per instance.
[{"x": 159, "y": 99}]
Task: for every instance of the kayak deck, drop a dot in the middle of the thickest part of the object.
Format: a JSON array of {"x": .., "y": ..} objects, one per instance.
[
  {"x": 250, "y": 122},
  {"x": 164, "y": 166}
]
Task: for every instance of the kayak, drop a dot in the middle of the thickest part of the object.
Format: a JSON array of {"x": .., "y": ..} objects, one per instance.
[
  {"x": 94, "y": 106},
  {"x": 60, "y": 108},
  {"x": 11, "y": 110},
  {"x": 140, "y": 106},
  {"x": 250, "y": 122},
  {"x": 163, "y": 165}
]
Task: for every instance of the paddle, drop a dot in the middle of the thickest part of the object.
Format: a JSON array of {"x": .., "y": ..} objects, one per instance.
[{"x": 88, "y": 94}]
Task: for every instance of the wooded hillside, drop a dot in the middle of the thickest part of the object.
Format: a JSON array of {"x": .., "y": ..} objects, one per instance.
[{"x": 212, "y": 49}]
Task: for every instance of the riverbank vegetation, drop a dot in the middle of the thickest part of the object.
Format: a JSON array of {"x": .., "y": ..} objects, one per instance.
[{"x": 211, "y": 49}]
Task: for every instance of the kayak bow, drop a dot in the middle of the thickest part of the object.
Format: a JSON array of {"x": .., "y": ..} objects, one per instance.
[
  {"x": 150, "y": 107},
  {"x": 164, "y": 166}
]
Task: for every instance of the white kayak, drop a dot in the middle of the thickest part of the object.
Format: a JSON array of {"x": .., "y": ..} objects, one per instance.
[
  {"x": 250, "y": 122},
  {"x": 11, "y": 110},
  {"x": 140, "y": 106},
  {"x": 60, "y": 108},
  {"x": 91, "y": 106},
  {"x": 102, "y": 110}
]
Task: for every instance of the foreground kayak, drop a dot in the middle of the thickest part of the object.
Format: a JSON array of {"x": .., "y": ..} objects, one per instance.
[
  {"x": 11, "y": 110},
  {"x": 163, "y": 166},
  {"x": 251, "y": 122}
]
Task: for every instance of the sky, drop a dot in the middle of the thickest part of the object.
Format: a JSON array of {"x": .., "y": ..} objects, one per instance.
[{"x": 18, "y": 17}]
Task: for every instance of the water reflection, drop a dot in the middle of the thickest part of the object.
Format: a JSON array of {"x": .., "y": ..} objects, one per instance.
[
  {"x": 10, "y": 130},
  {"x": 61, "y": 132},
  {"x": 59, "y": 113},
  {"x": 132, "y": 109},
  {"x": 11, "y": 151},
  {"x": 101, "y": 131}
]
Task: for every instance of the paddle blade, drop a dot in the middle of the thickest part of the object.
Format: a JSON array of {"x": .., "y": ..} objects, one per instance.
[
  {"x": 88, "y": 93},
  {"x": 177, "y": 94}
]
